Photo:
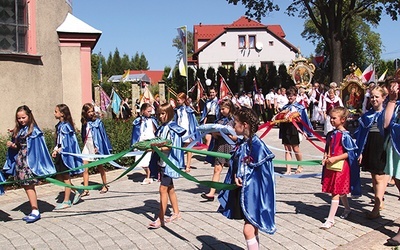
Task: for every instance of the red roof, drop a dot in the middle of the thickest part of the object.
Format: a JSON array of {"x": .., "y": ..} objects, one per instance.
[
  {"x": 154, "y": 75},
  {"x": 208, "y": 33}
]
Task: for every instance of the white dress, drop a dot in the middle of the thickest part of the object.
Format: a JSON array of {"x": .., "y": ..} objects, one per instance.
[
  {"x": 146, "y": 132},
  {"x": 183, "y": 121}
]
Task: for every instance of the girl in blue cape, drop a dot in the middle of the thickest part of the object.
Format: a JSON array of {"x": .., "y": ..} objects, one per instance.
[
  {"x": 370, "y": 139},
  {"x": 186, "y": 118},
  {"x": 28, "y": 157},
  {"x": 288, "y": 132},
  {"x": 144, "y": 127},
  {"x": 211, "y": 112},
  {"x": 95, "y": 141},
  {"x": 252, "y": 171},
  {"x": 391, "y": 123},
  {"x": 340, "y": 151},
  {"x": 227, "y": 109},
  {"x": 66, "y": 142},
  {"x": 171, "y": 131}
]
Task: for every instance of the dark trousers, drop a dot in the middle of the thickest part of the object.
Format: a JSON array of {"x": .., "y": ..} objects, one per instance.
[
  {"x": 271, "y": 112},
  {"x": 261, "y": 111}
]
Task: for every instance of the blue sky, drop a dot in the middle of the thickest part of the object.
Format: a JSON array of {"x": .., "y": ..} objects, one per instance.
[{"x": 149, "y": 26}]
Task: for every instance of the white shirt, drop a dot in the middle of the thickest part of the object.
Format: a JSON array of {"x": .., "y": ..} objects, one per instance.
[
  {"x": 259, "y": 99},
  {"x": 281, "y": 100}
]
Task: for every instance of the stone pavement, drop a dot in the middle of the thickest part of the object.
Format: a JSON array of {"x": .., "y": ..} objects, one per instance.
[{"x": 119, "y": 218}]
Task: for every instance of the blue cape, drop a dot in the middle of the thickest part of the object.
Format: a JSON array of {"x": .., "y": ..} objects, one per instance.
[
  {"x": 257, "y": 198},
  {"x": 394, "y": 127},
  {"x": 69, "y": 144},
  {"x": 38, "y": 157},
  {"x": 2, "y": 179},
  {"x": 352, "y": 150},
  {"x": 193, "y": 124},
  {"x": 365, "y": 123},
  {"x": 136, "y": 128},
  {"x": 100, "y": 138},
  {"x": 205, "y": 113},
  {"x": 303, "y": 114},
  {"x": 176, "y": 156}
]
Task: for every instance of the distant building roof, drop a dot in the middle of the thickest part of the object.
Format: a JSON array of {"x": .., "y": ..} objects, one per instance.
[
  {"x": 72, "y": 24},
  {"x": 130, "y": 78},
  {"x": 208, "y": 33},
  {"x": 154, "y": 75}
]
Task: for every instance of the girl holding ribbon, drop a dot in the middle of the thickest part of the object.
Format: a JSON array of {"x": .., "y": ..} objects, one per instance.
[
  {"x": 66, "y": 142},
  {"x": 251, "y": 169},
  {"x": 144, "y": 127},
  {"x": 95, "y": 141},
  {"x": 168, "y": 130},
  {"x": 186, "y": 118},
  {"x": 28, "y": 157}
]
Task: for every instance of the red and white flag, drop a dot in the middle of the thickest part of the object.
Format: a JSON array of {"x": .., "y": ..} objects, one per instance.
[
  {"x": 319, "y": 58},
  {"x": 224, "y": 89},
  {"x": 368, "y": 75}
]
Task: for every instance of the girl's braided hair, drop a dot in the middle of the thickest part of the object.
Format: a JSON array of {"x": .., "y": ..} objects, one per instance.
[{"x": 250, "y": 117}]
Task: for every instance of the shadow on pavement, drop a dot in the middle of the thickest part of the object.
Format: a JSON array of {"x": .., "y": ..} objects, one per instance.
[{"x": 210, "y": 242}]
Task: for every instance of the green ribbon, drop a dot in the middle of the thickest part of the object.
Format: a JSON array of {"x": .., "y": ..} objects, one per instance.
[
  {"x": 211, "y": 184},
  {"x": 98, "y": 186},
  {"x": 303, "y": 163},
  {"x": 202, "y": 152}
]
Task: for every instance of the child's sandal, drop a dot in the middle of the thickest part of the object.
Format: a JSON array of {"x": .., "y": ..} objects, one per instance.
[
  {"x": 173, "y": 218},
  {"x": 85, "y": 193},
  {"x": 156, "y": 224}
]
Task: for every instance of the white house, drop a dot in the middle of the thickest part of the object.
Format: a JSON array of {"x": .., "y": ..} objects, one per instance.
[{"x": 244, "y": 42}]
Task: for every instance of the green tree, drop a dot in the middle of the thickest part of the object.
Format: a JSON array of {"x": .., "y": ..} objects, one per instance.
[
  {"x": 232, "y": 81},
  {"x": 135, "y": 61},
  {"x": 125, "y": 63},
  {"x": 177, "y": 43},
  {"x": 332, "y": 19},
  {"x": 284, "y": 77},
  {"x": 363, "y": 46},
  {"x": 115, "y": 66},
  {"x": 143, "y": 64}
]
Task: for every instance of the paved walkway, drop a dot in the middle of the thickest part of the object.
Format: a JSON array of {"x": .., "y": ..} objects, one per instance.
[{"x": 119, "y": 219}]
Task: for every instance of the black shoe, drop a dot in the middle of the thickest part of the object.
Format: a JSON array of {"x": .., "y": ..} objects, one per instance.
[{"x": 208, "y": 198}]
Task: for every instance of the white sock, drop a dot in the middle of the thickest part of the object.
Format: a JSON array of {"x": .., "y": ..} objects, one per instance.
[
  {"x": 333, "y": 209},
  {"x": 252, "y": 244},
  {"x": 35, "y": 212}
]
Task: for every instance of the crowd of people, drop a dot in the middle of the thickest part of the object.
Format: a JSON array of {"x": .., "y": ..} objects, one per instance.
[{"x": 250, "y": 168}]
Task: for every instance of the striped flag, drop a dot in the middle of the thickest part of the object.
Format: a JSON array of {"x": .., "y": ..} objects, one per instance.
[
  {"x": 382, "y": 78},
  {"x": 182, "y": 68},
  {"x": 105, "y": 100},
  {"x": 368, "y": 74},
  {"x": 182, "y": 32}
]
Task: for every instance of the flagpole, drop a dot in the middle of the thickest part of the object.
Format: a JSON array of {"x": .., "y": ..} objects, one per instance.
[{"x": 186, "y": 64}]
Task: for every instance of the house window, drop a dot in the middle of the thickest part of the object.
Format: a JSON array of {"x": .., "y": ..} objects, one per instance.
[
  {"x": 228, "y": 65},
  {"x": 223, "y": 44},
  {"x": 242, "y": 42},
  {"x": 252, "y": 42},
  {"x": 271, "y": 43},
  {"x": 13, "y": 26},
  {"x": 267, "y": 65}
]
